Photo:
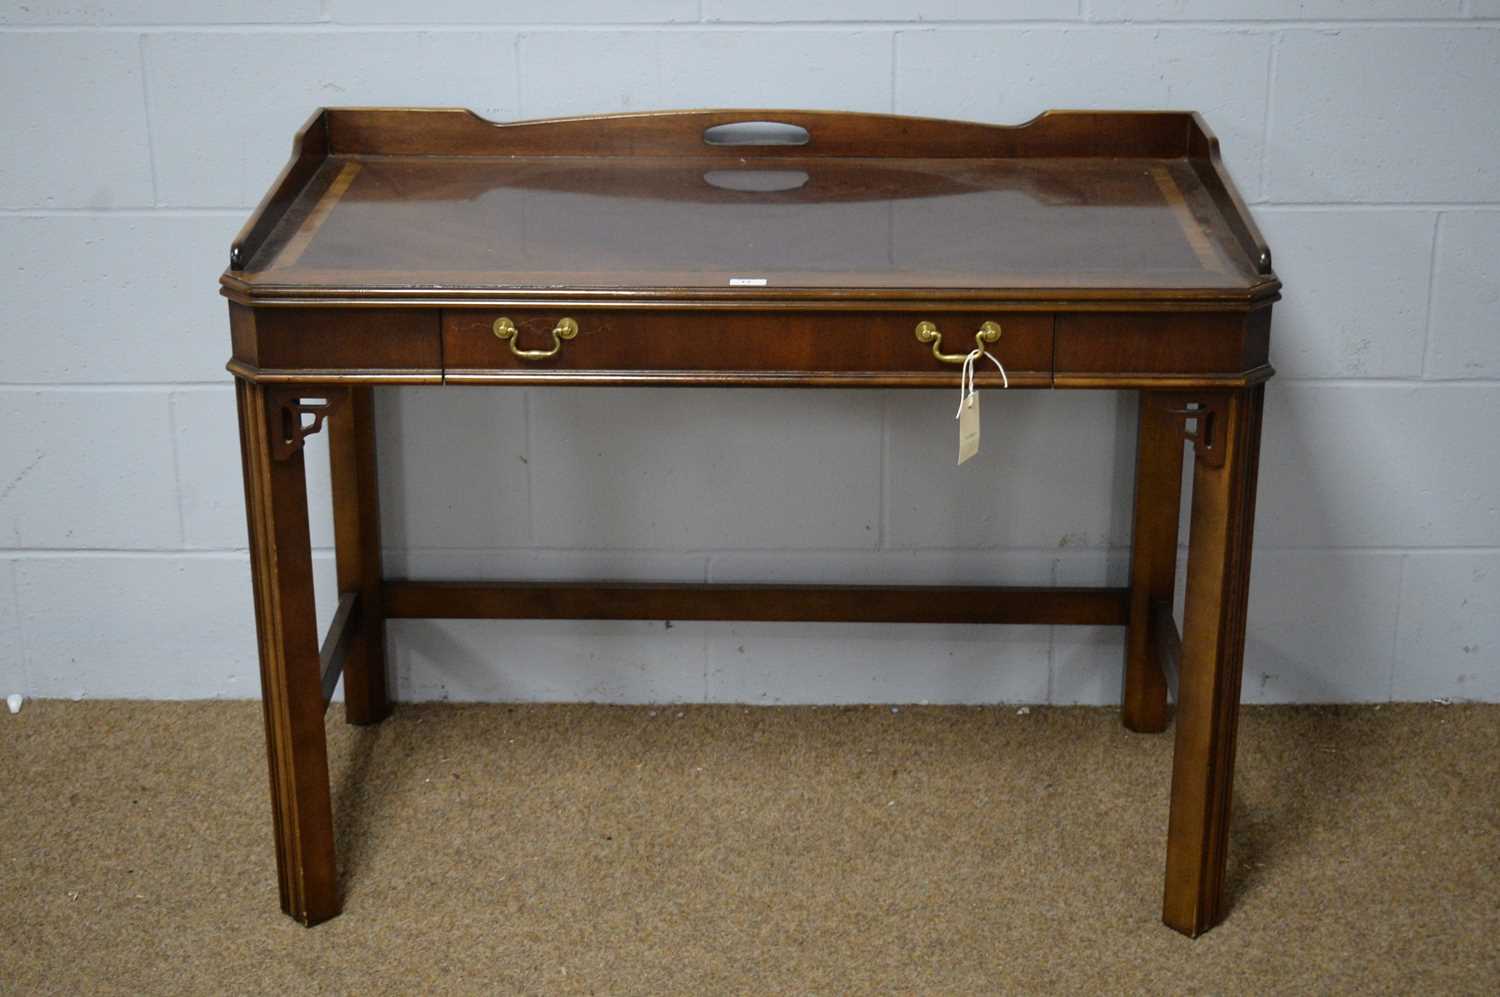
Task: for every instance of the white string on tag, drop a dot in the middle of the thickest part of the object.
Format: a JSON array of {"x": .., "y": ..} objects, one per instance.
[{"x": 966, "y": 389}]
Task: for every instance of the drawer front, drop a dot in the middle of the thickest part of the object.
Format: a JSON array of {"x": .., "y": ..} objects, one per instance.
[
  {"x": 772, "y": 347},
  {"x": 1110, "y": 344},
  {"x": 367, "y": 343}
]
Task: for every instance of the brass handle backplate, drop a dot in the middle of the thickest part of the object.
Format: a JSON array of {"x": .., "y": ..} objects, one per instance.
[
  {"x": 927, "y": 332},
  {"x": 566, "y": 328}
]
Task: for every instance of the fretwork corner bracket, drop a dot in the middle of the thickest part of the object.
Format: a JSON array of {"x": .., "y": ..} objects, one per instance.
[
  {"x": 295, "y": 416},
  {"x": 1201, "y": 420}
]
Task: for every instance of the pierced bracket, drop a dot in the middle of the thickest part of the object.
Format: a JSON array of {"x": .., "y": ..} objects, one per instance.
[
  {"x": 296, "y": 416},
  {"x": 1199, "y": 423}
]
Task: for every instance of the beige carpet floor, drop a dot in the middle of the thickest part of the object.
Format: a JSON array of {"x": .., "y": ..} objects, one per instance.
[{"x": 724, "y": 850}]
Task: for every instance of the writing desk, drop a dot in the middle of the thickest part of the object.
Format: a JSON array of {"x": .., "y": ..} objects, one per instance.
[{"x": 775, "y": 248}]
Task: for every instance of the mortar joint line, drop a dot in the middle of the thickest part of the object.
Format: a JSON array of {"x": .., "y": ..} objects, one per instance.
[
  {"x": 140, "y": 51},
  {"x": 1390, "y": 686},
  {"x": 1432, "y": 257},
  {"x": 176, "y": 468},
  {"x": 1273, "y": 60}
]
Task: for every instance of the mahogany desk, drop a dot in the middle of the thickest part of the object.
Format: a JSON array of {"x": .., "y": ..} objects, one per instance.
[{"x": 1084, "y": 249}]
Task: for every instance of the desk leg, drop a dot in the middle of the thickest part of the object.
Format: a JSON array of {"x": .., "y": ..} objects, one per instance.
[
  {"x": 291, "y": 683},
  {"x": 1213, "y": 645},
  {"x": 1153, "y": 559},
  {"x": 356, "y": 529}
]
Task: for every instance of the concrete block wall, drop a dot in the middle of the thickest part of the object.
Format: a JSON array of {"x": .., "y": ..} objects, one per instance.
[{"x": 139, "y": 133}]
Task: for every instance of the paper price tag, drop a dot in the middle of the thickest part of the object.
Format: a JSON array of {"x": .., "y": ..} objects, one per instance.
[
  {"x": 968, "y": 402},
  {"x": 968, "y": 427}
]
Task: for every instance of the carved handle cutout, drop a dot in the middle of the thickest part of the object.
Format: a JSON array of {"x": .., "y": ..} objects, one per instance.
[{"x": 756, "y": 133}]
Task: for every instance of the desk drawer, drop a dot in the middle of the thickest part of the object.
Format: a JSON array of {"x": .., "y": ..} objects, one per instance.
[
  {"x": 1114, "y": 346},
  {"x": 769, "y": 347},
  {"x": 395, "y": 345}
]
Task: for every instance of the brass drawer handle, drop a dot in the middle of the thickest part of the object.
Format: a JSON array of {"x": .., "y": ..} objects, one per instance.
[
  {"x": 566, "y": 328},
  {"x": 989, "y": 332}
]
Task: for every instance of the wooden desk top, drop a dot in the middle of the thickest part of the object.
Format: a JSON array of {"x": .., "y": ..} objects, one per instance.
[
  {"x": 442, "y": 207},
  {"x": 1093, "y": 249}
]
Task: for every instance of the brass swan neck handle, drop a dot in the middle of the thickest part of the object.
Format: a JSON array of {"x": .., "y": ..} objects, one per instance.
[
  {"x": 927, "y": 332},
  {"x": 566, "y": 328}
]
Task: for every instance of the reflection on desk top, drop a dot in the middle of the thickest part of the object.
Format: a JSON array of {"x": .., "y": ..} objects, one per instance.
[{"x": 385, "y": 204}]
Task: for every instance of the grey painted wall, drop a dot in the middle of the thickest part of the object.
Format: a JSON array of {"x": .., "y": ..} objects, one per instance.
[{"x": 138, "y": 134}]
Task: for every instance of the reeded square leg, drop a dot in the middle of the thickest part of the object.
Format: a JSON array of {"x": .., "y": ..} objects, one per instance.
[
  {"x": 290, "y": 673},
  {"x": 356, "y": 528},
  {"x": 1153, "y": 559},
  {"x": 1213, "y": 646}
]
